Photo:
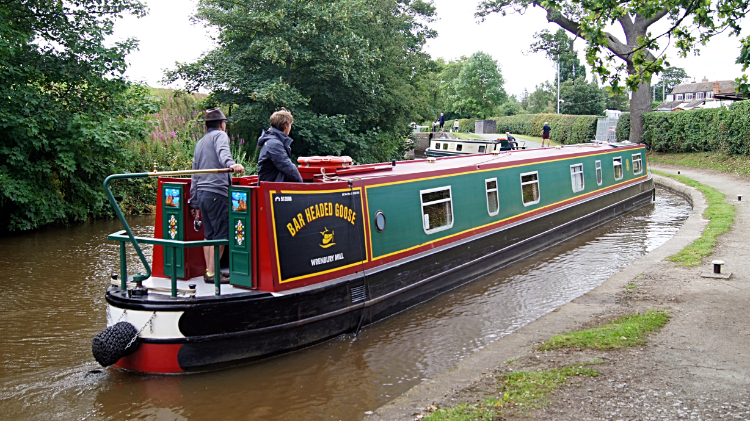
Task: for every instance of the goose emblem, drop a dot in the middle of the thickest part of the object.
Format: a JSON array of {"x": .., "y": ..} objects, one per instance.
[{"x": 327, "y": 239}]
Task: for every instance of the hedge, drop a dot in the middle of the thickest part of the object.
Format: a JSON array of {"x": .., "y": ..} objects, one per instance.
[
  {"x": 712, "y": 129},
  {"x": 622, "y": 132},
  {"x": 566, "y": 129}
]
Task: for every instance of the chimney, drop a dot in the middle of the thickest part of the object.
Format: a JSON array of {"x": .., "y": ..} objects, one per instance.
[
  {"x": 705, "y": 79},
  {"x": 716, "y": 88}
]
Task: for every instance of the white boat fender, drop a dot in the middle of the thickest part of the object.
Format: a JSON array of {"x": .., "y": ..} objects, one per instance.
[{"x": 114, "y": 342}]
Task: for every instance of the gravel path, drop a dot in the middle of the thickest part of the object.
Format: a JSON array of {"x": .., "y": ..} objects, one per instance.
[{"x": 697, "y": 367}]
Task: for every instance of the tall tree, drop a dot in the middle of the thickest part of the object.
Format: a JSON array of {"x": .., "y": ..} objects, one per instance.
[
  {"x": 479, "y": 87},
  {"x": 581, "y": 98},
  {"x": 349, "y": 70},
  {"x": 558, "y": 47},
  {"x": 689, "y": 23},
  {"x": 671, "y": 77},
  {"x": 64, "y": 107},
  {"x": 543, "y": 99}
]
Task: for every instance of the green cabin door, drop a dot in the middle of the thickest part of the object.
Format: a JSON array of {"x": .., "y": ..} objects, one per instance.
[
  {"x": 240, "y": 251},
  {"x": 173, "y": 226}
]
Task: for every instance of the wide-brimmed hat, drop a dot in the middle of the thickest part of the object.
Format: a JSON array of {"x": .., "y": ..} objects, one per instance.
[{"x": 214, "y": 114}]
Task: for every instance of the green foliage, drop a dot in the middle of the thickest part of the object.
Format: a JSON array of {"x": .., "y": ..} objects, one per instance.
[
  {"x": 581, "y": 98},
  {"x": 543, "y": 99},
  {"x": 713, "y": 129},
  {"x": 352, "y": 73},
  {"x": 566, "y": 129},
  {"x": 623, "y": 332},
  {"x": 720, "y": 215},
  {"x": 622, "y": 132},
  {"x": 68, "y": 115},
  {"x": 616, "y": 101},
  {"x": 558, "y": 47},
  {"x": 477, "y": 90}
]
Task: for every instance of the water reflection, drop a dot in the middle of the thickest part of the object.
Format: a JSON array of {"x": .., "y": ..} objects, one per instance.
[{"x": 53, "y": 305}]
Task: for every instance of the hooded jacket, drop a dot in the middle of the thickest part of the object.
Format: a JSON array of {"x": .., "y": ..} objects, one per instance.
[{"x": 275, "y": 159}]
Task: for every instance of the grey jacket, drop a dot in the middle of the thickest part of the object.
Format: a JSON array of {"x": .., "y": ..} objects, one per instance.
[
  {"x": 275, "y": 159},
  {"x": 212, "y": 151}
]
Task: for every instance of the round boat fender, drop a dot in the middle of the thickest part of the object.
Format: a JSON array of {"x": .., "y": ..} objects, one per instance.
[{"x": 114, "y": 342}]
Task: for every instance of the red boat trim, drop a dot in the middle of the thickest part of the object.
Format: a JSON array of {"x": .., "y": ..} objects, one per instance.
[{"x": 153, "y": 358}]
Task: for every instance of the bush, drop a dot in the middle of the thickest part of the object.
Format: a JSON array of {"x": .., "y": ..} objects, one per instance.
[
  {"x": 622, "y": 132},
  {"x": 712, "y": 129},
  {"x": 566, "y": 129}
]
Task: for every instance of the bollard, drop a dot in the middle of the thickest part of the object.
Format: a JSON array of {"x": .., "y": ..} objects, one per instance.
[{"x": 717, "y": 266}]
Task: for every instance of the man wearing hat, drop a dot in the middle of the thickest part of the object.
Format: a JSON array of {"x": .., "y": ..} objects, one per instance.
[{"x": 209, "y": 193}]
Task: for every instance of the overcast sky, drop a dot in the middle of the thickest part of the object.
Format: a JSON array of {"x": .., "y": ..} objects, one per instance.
[{"x": 167, "y": 36}]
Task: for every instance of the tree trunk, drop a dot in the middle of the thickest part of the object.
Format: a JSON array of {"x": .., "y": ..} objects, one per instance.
[{"x": 640, "y": 103}]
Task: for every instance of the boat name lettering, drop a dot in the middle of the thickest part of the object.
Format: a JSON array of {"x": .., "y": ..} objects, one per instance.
[
  {"x": 321, "y": 210},
  {"x": 283, "y": 199},
  {"x": 326, "y": 259}
]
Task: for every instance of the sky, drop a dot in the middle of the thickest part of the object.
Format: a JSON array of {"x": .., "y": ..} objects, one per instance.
[{"x": 167, "y": 36}]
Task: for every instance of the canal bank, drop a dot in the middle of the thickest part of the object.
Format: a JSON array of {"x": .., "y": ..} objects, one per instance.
[{"x": 697, "y": 366}]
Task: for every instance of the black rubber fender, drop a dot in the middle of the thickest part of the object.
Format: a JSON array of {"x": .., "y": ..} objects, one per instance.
[{"x": 111, "y": 344}]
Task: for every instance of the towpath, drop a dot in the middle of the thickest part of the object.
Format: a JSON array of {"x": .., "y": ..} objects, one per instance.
[{"x": 696, "y": 367}]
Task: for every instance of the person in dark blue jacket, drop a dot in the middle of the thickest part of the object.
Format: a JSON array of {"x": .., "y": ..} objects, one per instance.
[
  {"x": 275, "y": 159},
  {"x": 442, "y": 121}
]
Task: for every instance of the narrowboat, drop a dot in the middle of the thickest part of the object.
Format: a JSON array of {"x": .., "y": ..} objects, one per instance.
[
  {"x": 459, "y": 147},
  {"x": 351, "y": 245}
]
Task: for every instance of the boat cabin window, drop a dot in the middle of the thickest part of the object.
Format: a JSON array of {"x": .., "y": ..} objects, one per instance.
[
  {"x": 530, "y": 188},
  {"x": 445, "y": 146},
  {"x": 437, "y": 209},
  {"x": 599, "y": 172},
  {"x": 576, "y": 177},
  {"x": 493, "y": 203},
  {"x": 459, "y": 147},
  {"x": 617, "y": 162},
  {"x": 637, "y": 164},
  {"x": 481, "y": 149},
  {"x": 437, "y": 145}
]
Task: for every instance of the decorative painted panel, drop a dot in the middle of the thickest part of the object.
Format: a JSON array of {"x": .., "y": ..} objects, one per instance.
[
  {"x": 174, "y": 225},
  {"x": 240, "y": 248}
]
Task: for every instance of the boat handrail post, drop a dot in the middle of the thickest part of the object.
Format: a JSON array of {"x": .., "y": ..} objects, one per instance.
[
  {"x": 139, "y": 277},
  {"x": 123, "y": 267},
  {"x": 173, "y": 276},
  {"x": 217, "y": 270}
]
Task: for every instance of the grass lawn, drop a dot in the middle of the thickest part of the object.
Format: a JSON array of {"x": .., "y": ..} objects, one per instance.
[
  {"x": 720, "y": 215},
  {"x": 732, "y": 164}
]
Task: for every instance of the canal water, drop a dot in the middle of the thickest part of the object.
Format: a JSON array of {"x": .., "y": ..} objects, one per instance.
[{"x": 51, "y": 306}]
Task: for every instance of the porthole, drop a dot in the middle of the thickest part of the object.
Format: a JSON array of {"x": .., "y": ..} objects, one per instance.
[{"x": 379, "y": 221}]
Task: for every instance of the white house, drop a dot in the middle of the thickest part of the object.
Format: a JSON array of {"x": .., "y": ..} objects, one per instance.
[{"x": 704, "y": 94}]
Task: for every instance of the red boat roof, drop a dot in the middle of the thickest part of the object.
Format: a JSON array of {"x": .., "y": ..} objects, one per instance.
[{"x": 446, "y": 164}]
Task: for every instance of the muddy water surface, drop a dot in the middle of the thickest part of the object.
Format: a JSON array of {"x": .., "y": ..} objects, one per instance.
[{"x": 51, "y": 306}]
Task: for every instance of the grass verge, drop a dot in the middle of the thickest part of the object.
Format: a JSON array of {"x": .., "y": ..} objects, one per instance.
[
  {"x": 720, "y": 215},
  {"x": 522, "y": 390},
  {"x": 466, "y": 136},
  {"x": 732, "y": 164},
  {"x": 623, "y": 332}
]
